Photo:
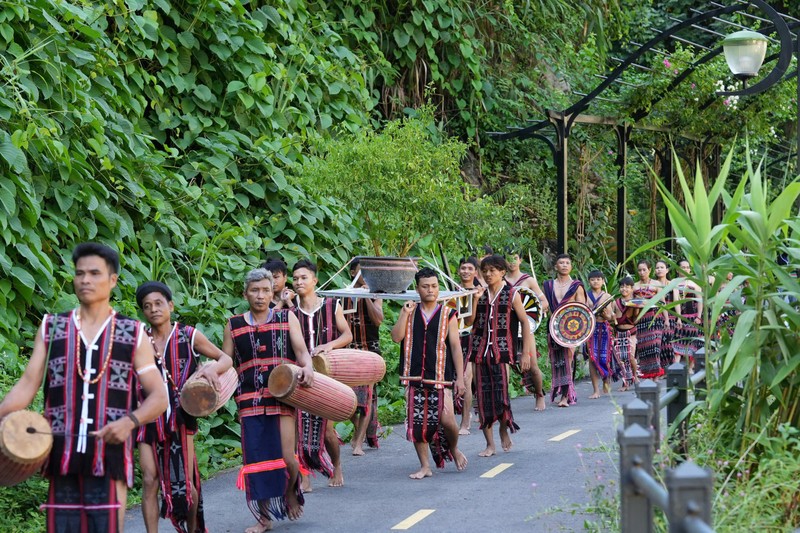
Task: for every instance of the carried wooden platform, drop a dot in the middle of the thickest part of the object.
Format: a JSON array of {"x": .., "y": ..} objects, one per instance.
[{"x": 361, "y": 292}]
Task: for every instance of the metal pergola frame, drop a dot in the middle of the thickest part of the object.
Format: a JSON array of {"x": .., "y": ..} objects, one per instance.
[{"x": 563, "y": 121}]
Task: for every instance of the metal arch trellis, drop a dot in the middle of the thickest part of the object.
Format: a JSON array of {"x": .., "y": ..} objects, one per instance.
[{"x": 563, "y": 121}]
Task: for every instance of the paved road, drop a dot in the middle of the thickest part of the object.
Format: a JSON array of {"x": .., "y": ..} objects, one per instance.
[{"x": 538, "y": 486}]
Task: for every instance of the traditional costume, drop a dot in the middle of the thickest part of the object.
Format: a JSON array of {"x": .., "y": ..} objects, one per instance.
[
  {"x": 169, "y": 434},
  {"x": 560, "y": 366},
  {"x": 88, "y": 384},
  {"x": 527, "y": 378},
  {"x": 428, "y": 374},
  {"x": 258, "y": 348},
  {"x": 599, "y": 344},
  {"x": 649, "y": 332},
  {"x": 625, "y": 342},
  {"x": 318, "y": 327},
  {"x": 366, "y": 336},
  {"x": 667, "y": 355},
  {"x": 493, "y": 338},
  {"x": 688, "y": 336}
]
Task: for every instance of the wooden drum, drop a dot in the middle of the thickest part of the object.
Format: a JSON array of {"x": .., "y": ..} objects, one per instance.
[
  {"x": 351, "y": 367},
  {"x": 25, "y": 442},
  {"x": 327, "y": 398},
  {"x": 198, "y": 396}
]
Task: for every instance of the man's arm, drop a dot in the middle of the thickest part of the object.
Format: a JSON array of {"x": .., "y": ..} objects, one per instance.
[
  {"x": 222, "y": 363},
  {"x": 21, "y": 395},
  {"x": 300, "y": 351},
  {"x": 533, "y": 285},
  {"x": 528, "y": 343},
  {"x": 469, "y": 320},
  {"x": 399, "y": 329},
  {"x": 154, "y": 404},
  {"x": 374, "y": 310},
  {"x": 454, "y": 339},
  {"x": 345, "y": 335}
]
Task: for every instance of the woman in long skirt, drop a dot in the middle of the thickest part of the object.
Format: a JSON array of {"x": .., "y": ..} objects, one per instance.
[{"x": 649, "y": 331}]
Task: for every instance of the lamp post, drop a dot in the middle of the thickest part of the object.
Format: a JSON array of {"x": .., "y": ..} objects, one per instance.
[{"x": 745, "y": 51}]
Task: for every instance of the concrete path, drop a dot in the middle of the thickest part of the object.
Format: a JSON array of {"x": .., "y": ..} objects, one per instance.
[{"x": 559, "y": 456}]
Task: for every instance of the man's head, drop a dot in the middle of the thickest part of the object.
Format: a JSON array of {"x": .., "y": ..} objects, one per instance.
[
  {"x": 493, "y": 268},
  {"x": 514, "y": 261},
  {"x": 96, "y": 267},
  {"x": 258, "y": 289},
  {"x": 563, "y": 264},
  {"x": 278, "y": 268},
  {"x": 467, "y": 269},
  {"x": 155, "y": 301},
  {"x": 304, "y": 277},
  {"x": 643, "y": 269},
  {"x": 355, "y": 268},
  {"x": 626, "y": 286},
  {"x": 427, "y": 284},
  {"x": 596, "y": 280}
]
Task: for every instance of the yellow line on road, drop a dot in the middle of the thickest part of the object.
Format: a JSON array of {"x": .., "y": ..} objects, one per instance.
[
  {"x": 564, "y": 435},
  {"x": 496, "y": 470},
  {"x": 414, "y": 519}
]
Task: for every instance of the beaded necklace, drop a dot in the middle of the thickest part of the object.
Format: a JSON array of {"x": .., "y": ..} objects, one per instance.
[
  {"x": 78, "y": 348},
  {"x": 161, "y": 361}
]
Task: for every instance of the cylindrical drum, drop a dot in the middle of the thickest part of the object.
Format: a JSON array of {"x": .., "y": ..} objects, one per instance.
[
  {"x": 25, "y": 442},
  {"x": 351, "y": 367},
  {"x": 327, "y": 397},
  {"x": 200, "y": 398}
]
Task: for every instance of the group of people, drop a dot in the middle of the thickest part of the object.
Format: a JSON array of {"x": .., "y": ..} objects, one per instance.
[{"x": 111, "y": 380}]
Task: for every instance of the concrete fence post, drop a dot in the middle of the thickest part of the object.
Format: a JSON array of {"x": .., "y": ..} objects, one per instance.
[
  {"x": 691, "y": 493},
  {"x": 635, "y": 450}
]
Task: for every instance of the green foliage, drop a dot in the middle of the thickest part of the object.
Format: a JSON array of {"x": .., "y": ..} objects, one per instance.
[{"x": 405, "y": 185}]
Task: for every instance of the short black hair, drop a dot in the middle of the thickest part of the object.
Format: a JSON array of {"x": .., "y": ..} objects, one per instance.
[
  {"x": 354, "y": 264},
  {"x": 497, "y": 261},
  {"x": 152, "y": 286},
  {"x": 596, "y": 274},
  {"x": 275, "y": 264},
  {"x": 103, "y": 251},
  {"x": 563, "y": 256},
  {"x": 472, "y": 260},
  {"x": 627, "y": 280},
  {"x": 488, "y": 250},
  {"x": 304, "y": 263},
  {"x": 426, "y": 272}
]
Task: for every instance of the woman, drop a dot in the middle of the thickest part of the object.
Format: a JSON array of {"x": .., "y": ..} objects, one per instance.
[
  {"x": 668, "y": 325},
  {"x": 688, "y": 335},
  {"x": 649, "y": 331}
]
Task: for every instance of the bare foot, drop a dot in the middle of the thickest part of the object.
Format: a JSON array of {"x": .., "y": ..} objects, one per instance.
[
  {"x": 505, "y": 441},
  {"x": 540, "y": 404},
  {"x": 421, "y": 473},
  {"x": 606, "y": 387},
  {"x": 488, "y": 452},
  {"x": 338, "y": 477},
  {"x": 461, "y": 460},
  {"x": 358, "y": 451},
  {"x": 306, "y": 486},
  {"x": 293, "y": 507},
  {"x": 623, "y": 388},
  {"x": 463, "y": 431},
  {"x": 260, "y": 527},
  {"x": 594, "y": 396},
  {"x": 564, "y": 402}
]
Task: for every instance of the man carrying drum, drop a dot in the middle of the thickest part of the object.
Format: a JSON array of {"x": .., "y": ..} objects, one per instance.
[
  {"x": 432, "y": 369},
  {"x": 88, "y": 358},
  {"x": 517, "y": 278},
  {"x": 166, "y": 446},
  {"x": 324, "y": 329},
  {"x": 261, "y": 339},
  {"x": 558, "y": 292}
]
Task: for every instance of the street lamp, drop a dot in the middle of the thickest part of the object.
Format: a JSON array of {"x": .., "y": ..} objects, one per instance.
[{"x": 744, "y": 52}]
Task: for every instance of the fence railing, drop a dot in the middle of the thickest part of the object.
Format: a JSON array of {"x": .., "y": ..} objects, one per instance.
[{"x": 688, "y": 492}]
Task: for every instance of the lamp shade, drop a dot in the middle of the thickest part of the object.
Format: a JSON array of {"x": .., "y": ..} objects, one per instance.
[{"x": 744, "y": 52}]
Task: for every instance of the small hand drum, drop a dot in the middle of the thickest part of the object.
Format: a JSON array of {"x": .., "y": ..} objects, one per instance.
[
  {"x": 533, "y": 307},
  {"x": 572, "y": 324}
]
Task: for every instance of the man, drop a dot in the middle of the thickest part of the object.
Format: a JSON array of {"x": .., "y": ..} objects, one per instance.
[
  {"x": 282, "y": 297},
  {"x": 516, "y": 278},
  {"x": 364, "y": 317},
  {"x": 166, "y": 446},
  {"x": 498, "y": 311},
  {"x": 324, "y": 329},
  {"x": 261, "y": 339},
  {"x": 558, "y": 292},
  {"x": 599, "y": 345},
  {"x": 430, "y": 352},
  {"x": 90, "y": 357},
  {"x": 467, "y": 272}
]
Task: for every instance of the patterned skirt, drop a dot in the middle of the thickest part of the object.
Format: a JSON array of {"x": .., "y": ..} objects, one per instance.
[
  {"x": 599, "y": 349},
  {"x": 624, "y": 350},
  {"x": 688, "y": 337},
  {"x": 649, "y": 333},
  {"x": 423, "y": 421},
  {"x": 494, "y": 403}
]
